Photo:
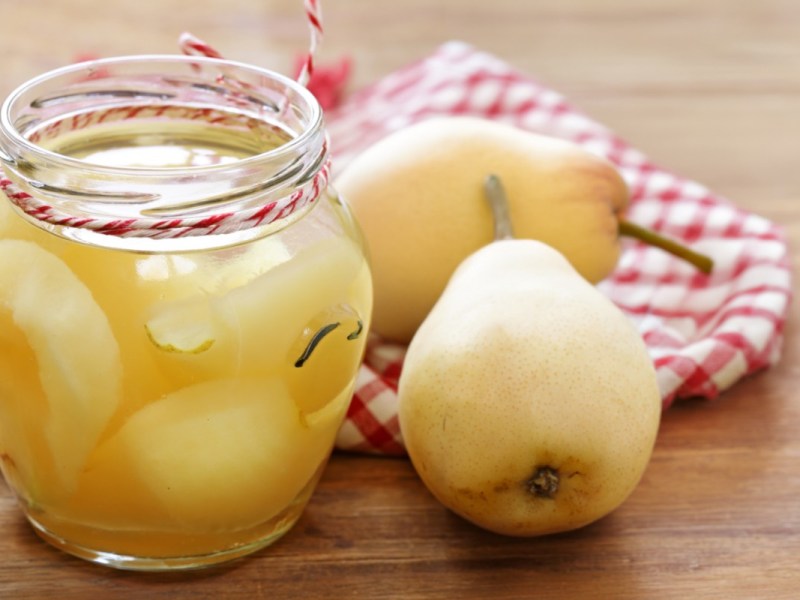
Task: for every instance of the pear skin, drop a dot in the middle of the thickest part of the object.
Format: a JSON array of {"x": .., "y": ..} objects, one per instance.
[
  {"x": 417, "y": 195},
  {"x": 528, "y": 402}
]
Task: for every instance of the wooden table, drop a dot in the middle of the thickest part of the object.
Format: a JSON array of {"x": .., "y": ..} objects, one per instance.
[{"x": 707, "y": 89}]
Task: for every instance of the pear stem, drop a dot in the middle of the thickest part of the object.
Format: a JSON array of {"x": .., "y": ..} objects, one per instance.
[
  {"x": 498, "y": 202},
  {"x": 702, "y": 262}
]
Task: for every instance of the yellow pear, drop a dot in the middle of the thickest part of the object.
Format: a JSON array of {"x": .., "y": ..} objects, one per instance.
[
  {"x": 417, "y": 195},
  {"x": 528, "y": 402}
]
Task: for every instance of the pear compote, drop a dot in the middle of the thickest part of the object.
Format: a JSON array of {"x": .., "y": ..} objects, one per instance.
[{"x": 169, "y": 399}]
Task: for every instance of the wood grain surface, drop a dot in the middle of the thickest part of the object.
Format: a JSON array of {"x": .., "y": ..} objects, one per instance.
[{"x": 708, "y": 89}]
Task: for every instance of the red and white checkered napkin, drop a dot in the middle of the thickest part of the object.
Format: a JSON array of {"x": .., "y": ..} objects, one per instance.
[{"x": 703, "y": 333}]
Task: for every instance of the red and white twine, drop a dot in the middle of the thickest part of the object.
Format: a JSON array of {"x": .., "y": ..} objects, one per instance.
[
  {"x": 194, "y": 46},
  {"x": 145, "y": 227},
  {"x": 156, "y": 228}
]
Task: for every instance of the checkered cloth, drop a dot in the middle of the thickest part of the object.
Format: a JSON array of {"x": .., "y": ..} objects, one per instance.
[{"x": 703, "y": 333}]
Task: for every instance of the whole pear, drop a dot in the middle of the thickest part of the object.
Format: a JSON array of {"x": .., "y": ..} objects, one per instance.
[
  {"x": 528, "y": 402},
  {"x": 417, "y": 196}
]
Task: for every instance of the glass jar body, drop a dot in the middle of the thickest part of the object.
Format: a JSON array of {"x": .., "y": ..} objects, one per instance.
[
  {"x": 170, "y": 405},
  {"x": 198, "y": 434}
]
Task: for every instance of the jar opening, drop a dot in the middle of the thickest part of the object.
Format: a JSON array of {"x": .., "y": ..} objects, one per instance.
[{"x": 162, "y": 146}]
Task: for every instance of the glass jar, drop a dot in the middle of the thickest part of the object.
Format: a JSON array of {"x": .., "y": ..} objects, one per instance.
[{"x": 183, "y": 308}]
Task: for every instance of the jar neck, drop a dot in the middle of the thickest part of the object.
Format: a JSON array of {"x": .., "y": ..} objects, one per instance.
[{"x": 265, "y": 161}]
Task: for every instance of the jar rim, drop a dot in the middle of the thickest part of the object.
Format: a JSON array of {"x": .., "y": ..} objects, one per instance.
[
  {"x": 10, "y": 130},
  {"x": 86, "y": 200}
]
